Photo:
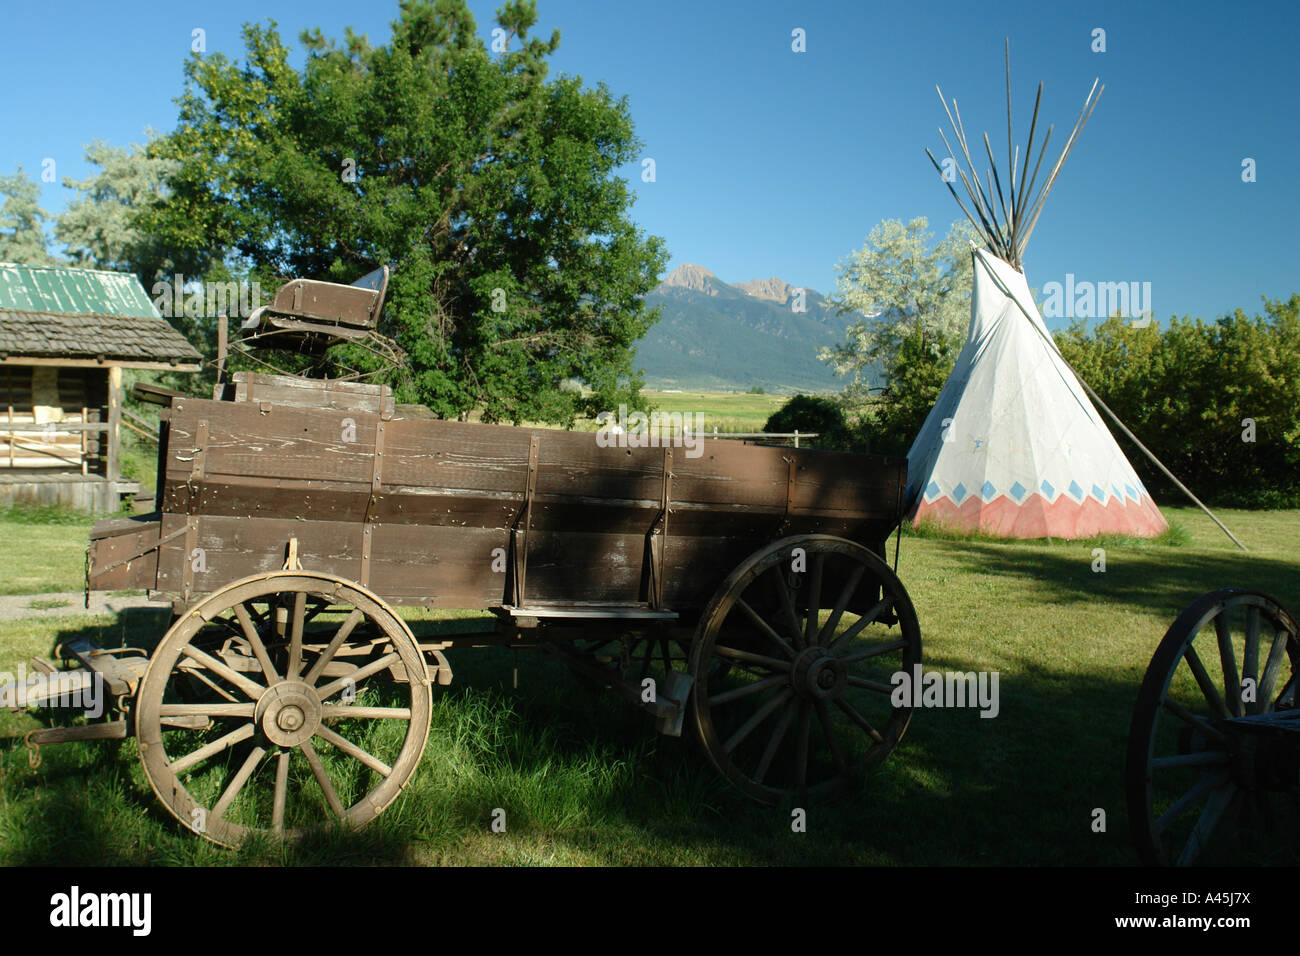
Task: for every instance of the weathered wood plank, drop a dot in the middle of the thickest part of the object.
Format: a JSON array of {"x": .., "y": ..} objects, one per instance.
[
  {"x": 313, "y": 393},
  {"x": 273, "y": 441},
  {"x": 123, "y": 554}
]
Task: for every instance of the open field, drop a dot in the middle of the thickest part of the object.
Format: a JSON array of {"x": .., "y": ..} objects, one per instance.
[
  {"x": 585, "y": 779},
  {"x": 727, "y": 411}
]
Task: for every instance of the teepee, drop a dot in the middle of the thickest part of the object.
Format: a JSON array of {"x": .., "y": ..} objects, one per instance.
[{"x": 1013, "y": 446}]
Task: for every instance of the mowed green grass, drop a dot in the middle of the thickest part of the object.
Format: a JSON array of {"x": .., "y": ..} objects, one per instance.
[
  {"x": 584, "y": 779},
  {"x": 42, "y": 550}
]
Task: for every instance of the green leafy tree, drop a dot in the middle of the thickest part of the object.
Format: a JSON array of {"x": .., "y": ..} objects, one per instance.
[
  {"x": 488, "y": 187},
  {"x": 100, "y": 227},
  {"x": 923, "y": 364},
  {"x": 1218, "y": 402},
  {"x": 22, "y": 222}
]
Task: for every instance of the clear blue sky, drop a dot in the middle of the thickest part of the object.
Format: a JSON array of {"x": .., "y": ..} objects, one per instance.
[{"x": 771, "y": 162}]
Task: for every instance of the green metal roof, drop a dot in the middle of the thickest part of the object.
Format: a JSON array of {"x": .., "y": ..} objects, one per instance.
[{"x": 64, "y": 291}]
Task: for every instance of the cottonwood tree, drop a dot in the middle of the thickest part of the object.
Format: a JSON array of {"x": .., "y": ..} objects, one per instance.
[
  {"x": 100, "y": 228},
  {"x": 904, "y": 288},
  {"x": 1235, "y": 440},
  {"x": 488, "y": 187},
  {"x": 22, "y": 222},
  {"x": 916, "y": 303}
]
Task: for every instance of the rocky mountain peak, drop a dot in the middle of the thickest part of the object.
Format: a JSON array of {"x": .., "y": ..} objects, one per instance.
[
  {"x": 773, "y": 289},
  {"x": 695, "y": 278}
]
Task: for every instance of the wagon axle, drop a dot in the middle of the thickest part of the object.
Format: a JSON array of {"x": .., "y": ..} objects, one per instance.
[{"x": 288, "y": 713}]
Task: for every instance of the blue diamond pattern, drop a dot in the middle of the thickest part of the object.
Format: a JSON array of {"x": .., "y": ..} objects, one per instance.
[
  {"x": 959, "y": 493},
  {"x": 1048, "y": 489},
  {"x": 988, "y": 491},
  {"x": 1099, "y": 493},
  {"x": 931, "y": 491},
  {"x": 1131, "y": 493},
  {"x": 1018, "y": 491},
  {"x": 1075, "y": 491},
  {"x": 1115, "y": 492}
]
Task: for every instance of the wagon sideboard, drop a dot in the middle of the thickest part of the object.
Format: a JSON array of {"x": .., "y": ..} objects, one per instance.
[{"x": 455, "y": 514}]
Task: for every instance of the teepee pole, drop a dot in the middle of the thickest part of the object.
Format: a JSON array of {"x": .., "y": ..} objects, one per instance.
[
  {"x": 1011, "y": 155},
  {"x": 1024, "y": 172},
  {"x": 997, "y": 181},
  {"x": 1113, "y": 417},
  {"x": 953, "y": 191},
  {"x": 974, "y": 197}
]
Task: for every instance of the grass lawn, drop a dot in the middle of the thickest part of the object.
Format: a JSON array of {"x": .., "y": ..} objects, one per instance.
[
  {"x": 584, "y": 778},
  {"x": 42, "y": 550}
]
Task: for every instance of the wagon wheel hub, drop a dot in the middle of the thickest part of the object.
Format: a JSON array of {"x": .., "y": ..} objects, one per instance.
[
  {"x": 289, "y": 713},
  {"x": 818, "y": 674}
]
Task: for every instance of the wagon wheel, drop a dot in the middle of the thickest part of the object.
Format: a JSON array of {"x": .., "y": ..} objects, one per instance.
[
  {"x": 1209, "y": 738},
  {"x": 279, "y": 746},
  {"x": 812, "y": 638}
]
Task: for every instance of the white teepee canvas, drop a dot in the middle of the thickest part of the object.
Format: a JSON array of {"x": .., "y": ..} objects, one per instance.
[{"x": 1013, "y": 446}]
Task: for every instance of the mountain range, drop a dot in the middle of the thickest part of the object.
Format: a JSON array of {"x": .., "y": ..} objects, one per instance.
[{"x": 716, "y": 335}]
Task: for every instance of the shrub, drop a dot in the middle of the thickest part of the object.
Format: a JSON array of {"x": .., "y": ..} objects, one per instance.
[
  {"x": 812, "y": 413},
  {"x": 1190, "y": 393}
]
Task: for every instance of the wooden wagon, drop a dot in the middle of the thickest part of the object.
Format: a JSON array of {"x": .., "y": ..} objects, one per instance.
[{"x": 743, "y": 586}]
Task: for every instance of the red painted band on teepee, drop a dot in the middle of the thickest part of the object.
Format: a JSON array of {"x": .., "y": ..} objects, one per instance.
[{"x": 1036, "y": 517}]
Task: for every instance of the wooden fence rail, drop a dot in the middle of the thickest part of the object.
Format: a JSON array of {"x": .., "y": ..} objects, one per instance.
[
  {"x": 796, "y": 435},
  {"x": 140, "y": 425}
]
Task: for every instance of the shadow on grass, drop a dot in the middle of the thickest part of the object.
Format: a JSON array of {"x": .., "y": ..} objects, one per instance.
[{"x": 1162, "y": 581}]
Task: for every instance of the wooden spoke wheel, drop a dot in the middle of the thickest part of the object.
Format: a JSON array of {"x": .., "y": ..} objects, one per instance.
[
  {"x": 810, "y": 630},
  {"x": 1214, "y": 735},
  {"x": 280, "y": 704}
]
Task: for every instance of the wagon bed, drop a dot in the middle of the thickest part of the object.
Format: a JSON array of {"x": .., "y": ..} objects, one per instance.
[{"x": 463, "y": 515}]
